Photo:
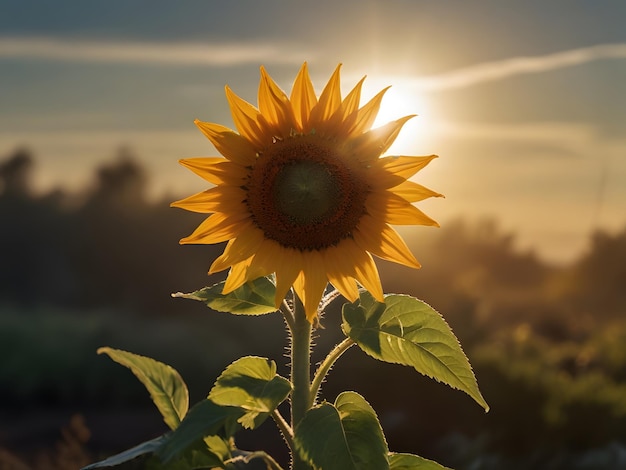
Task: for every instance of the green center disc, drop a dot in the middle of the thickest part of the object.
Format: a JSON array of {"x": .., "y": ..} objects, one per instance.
[{"x": 306, "y": 191}]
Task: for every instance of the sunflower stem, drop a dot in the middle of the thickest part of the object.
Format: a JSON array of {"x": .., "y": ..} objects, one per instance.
[
  {"x": 284, "y": 427},
  {"x": 300, "y": 374},
  {"x": 325, "y": 366},
  {"x": 287, "y": 312}
]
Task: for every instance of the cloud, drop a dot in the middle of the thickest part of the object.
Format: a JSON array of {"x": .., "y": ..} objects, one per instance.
[
  {"x": 192, "y": 54},
  {"x": 498, "y": 70}
]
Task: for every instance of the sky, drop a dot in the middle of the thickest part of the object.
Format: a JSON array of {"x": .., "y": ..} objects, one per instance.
[{"x": 524, "y": 102}]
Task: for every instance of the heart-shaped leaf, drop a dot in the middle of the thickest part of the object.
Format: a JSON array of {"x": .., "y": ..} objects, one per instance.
[
  {"x": 252, "y": 384},
  {"x": 405, "y": 330},
  {"x": 346, "y": 435}
]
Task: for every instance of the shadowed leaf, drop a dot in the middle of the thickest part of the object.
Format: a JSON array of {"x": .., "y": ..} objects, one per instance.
[
  {"x": 144, "y": 448},
  {"x": 346, "y": 435},
  {"x": 412, "y": 462},
  {"x": 204, "y": 419},
  {"x": 252, "y": 384},
  {"x": 253, "y": 298},
  {"x": 165, "y": 385}
]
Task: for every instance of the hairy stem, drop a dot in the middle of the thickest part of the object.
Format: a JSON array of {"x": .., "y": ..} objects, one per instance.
[
  {"x": 300, "y": 373},
  {"x": 325, "y": 366},
  {"x": 284, "y": 427}
]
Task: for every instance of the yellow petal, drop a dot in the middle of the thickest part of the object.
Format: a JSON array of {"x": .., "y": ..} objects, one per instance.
[
  {"x": 414, "y": 192},
  {"x": 303, "y": 99},
  {"x": 351, "y": 102},
  {"x": 363, "y": 118},
  {"x": 241, "y": 273},
  {"x": 313, "y": 283},
  {"x": 366, "y": 272},
  {"x": 230, "y": 144},
  {"x": 236, "y": 276},
  {"x": 380, "y": 239},
  {"x": 216, "y": 170},
  {"x": 329, "y": 101},
  {"x": 343, "y": 119},
  {"x": 224, "y": 198},
  {"x": 393, "y": 170},
  {"x": 394, "y": 210},
  {"x": 274, "y": 105},
  {"x": 219, "y": 228},
  {"x": 287, "y": 263},
  {"x": 340, "y": 271},
  {"x": 248, "y": 120},
  {"x": 238, "y": 249},
  {"x": 372, "y": 144}
]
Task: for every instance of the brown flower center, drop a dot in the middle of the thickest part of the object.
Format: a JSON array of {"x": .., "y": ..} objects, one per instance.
[{"x": 302, "y": 194}]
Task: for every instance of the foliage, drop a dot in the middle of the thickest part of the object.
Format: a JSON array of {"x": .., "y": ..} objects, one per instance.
[
  {"x": 566, "y": 377},
  {"x": 346, "y": 434}
]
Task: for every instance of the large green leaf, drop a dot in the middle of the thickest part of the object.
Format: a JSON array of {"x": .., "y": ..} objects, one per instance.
[
  {"x": 346, "y": 435},
  {"x": 412, "y": 462},
  {"x": 405, "y": 330},
  {"x": 141, "y": 450},
  {"x": 204, "y": 419},
  {"x": 252, "y": 384},
  {"x": 165, "y": 385},
  {"x": 253, "y": 298}
]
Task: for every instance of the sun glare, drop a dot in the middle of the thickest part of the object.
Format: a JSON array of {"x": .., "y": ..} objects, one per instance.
[{"x": 402, "y": 100}]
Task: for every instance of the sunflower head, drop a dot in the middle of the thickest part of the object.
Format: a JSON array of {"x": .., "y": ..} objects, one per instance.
[{"x": 301, "y": 191}]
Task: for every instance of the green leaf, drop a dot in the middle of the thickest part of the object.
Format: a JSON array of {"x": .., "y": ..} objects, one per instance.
[
  {"x": 405, "y": 330},
  {"x": 253, "y": 298},
  {"x": 219, "y": 447},
  {"x": 204, "y": 419},
  {"x": 165, "y": 385},
  {"x": 196, "y": 457},
  {"x": 147, "y": 447},
  {"x": 412, "y": 462},
  {"x": 346, "y": 436},
  {"x": 252, "y": 384}
]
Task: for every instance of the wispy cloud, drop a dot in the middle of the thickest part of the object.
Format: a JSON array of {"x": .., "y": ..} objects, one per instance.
[
  {"x": 497, "y": 70},
  {"x": 193, "y": 54},
  {"x": 229, "y": 54}
]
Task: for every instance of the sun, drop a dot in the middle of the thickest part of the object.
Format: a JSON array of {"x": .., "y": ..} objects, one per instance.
[{"x": 402, "y": 99}]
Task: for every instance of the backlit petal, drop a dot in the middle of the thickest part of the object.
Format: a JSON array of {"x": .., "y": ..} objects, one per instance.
[
  {"x": 302, "y": 99},
  {"x": 274, "y": 105},
  {"x": 366, "y": 272},
  {"x": 395, "y": 210},
  {"x": 414, "y": 192},
  {"x": 372, "y": 144},
  {"x": 230, "y": 144},
  {"x": 216, "y": 170},
  {"x": 238, "y": 249},
  {"x": 314, "y": 282},
  {"x": 340, "y": 271},
  {"x": 237, "y": 276},
  {"x": 363, "y": 118},
  {"x": 380, "y": 239},
  {"x": 228, "y": 199},
  {"x": 248, "y": 120},
  {"x": 329, "y": 101},
  {"x": 394, "y": 170},
  {"x": 218, "y": 228}
]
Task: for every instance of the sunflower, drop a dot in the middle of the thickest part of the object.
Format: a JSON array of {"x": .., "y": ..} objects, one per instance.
[{"x": 302, "y": 192}]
